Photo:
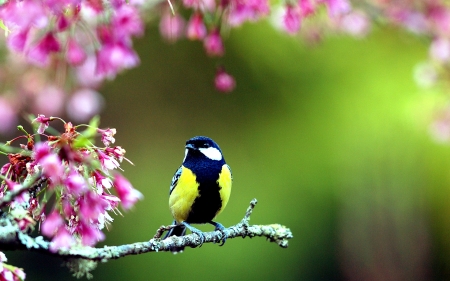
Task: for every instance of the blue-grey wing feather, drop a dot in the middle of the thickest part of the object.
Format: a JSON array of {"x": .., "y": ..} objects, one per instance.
[{"x": 175, "y": 180}]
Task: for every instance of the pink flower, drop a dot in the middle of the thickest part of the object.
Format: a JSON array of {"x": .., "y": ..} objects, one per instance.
[
  {"x": 40, "y": 53},
  {"x": 224, "y": 82},
  {"x": 84, "y": 104},
  {"x": 62, "y": 240},
  {"x": 117, "y": 152},
  {"x": 52, "y": 224},
  {"x": 127, "y": 194},
  {"x": 213, "y": 43},
  {"x": 355, "y": 23},
  {"x": 196, "y": 28},
  {"x": 115, "y": 57},
  {"x": 86, "y": 74},
  {"x": 440, "y": 49},
  {"x": 306, "y": 7},
  {"x": 108, "y": 162},
  {"x": 43, "y": 123},
  {"x": 126, "y": 22},
  {"x": 107, "y": 135},
  {"x": 52, "y": 167},
  {"x": 75, "y": 54},
  {"x": 337, "y": 7},
  {"x": 241, "y": 11},
  {"x": 17, "y": 40},
  {"x": 75, "y": 183},
  {"x": 49, "y": 100},
  {"x": 90, "y": 234},
  {"x": 8, "y": 118},
  {"x": 41, "y": 150},
  {"x": 292, "y": 19},
  {"x": 171, "y": 27},
  {"x": 91, "y": 206}
]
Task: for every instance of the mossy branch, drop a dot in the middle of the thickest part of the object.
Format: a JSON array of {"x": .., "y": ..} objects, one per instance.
[{"x": 12, "y": 239}]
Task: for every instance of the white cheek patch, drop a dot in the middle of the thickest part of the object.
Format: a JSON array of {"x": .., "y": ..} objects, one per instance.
[
  {"x": 185, "y": 154},
  {"x": 212, "y": 153}
]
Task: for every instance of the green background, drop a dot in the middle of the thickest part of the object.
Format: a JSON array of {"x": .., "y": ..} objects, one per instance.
[{"x": 331, "y": 139}]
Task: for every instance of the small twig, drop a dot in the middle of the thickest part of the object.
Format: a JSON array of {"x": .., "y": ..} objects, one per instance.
[
  {"x": 273, "y": 232},
  {"x": 35, "y": 182}
]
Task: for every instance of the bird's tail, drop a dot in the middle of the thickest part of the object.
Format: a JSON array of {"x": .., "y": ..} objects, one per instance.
[{"x": 179, "y": 230}]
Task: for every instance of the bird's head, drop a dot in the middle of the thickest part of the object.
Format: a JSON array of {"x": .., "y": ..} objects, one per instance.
[{"x": 203, "y": 146}]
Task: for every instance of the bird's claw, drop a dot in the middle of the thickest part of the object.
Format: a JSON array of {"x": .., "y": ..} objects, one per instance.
[
  {"x": 223, "y": 230},
  {"x": 200, "y": 233}
]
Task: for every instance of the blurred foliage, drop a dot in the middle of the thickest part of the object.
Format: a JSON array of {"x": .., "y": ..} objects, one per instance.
[{"x": 332, "y": 140}]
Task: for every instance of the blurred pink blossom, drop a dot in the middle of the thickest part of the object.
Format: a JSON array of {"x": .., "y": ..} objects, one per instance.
[
  {"x": 171, "y": 26},
  {"x": 8, "y": 116},
  {"x": 84, "y": 104}
]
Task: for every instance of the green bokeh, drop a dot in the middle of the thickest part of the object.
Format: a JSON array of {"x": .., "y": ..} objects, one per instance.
[{"x": 331, "y": 140}]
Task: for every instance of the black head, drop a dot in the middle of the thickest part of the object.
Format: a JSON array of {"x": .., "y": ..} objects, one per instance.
[{"x": 203, "y": 147}]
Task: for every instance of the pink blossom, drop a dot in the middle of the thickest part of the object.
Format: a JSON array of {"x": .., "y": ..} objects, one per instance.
[
  {"x": 213, "y": 44},
  {"x": 241, "y": 11},
  {"x": 117, "y": 152},
  {"x": 8, "y": 118},
  {"x": 127, "y": 194},
  {"x": 41, "y": 150},
  {"x": 355, "y": 23},
  {"x": 91, "y": 206},
  {"x": 75, "y": 183},
  {"x": 107, "y": 135},
  {"x": 306, "y": 7},
  {"x": 224, "y": 82},
  {"x": 292, "y": 19},
  {"x": 62, "y": 240},
  {"x": 52, "y": 224},
  {"x": 337, "y": 7},
  {"x": 75, "y": 54},
  {"x": 52, "y": 167},
  {"x": 126, "y": 22},
  {"x": 171, "y": 26},
  {"x": 49, "y": 100},
  {"x": 440, "y": 49},
  {"x": 86, "y": 74},
  {"x": 440, "y": 18},
  {"x": 90, "y": 235},
  {"x": 43, "y": 123},
  {"x": 115, "y": 57},
  {"x": 108, "y": 162},
  {"x": 84, "y": 104},
  {"x": 196, "y": 28},
  {"x": 40, "y": 53},
  {"x": 17, "y": 40}
]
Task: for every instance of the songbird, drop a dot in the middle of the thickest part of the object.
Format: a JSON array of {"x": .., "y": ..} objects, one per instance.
[{"x": 200, "y": 189}]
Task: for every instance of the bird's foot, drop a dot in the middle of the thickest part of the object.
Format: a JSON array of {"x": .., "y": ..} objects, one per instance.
[
  {"x": 196, "y": 231},
  {"x": 222, "y": 229}
]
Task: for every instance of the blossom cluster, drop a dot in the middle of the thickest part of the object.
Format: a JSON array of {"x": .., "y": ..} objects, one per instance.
[
  {"x": 66, "y": 184},
  {"x": 63, "y": 51}
]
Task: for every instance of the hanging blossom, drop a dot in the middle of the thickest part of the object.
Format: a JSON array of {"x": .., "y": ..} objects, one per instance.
[
  {"x": 63, "y": 51},
  {"x": 82, "y": 177},
  {"x": 9, "y": 272}
]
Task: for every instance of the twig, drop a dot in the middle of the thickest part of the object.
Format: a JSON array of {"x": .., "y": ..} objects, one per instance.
[
  {"x": 33, "y": 183},
  {"x": 12, "y": 238}
]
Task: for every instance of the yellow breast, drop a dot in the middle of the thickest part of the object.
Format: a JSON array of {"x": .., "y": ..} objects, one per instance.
[
  {"x": 183, "y": 195},
  {"x": 225, "y": 181}
]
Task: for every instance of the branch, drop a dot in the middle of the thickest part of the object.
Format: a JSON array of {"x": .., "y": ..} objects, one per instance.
[{"x": 12, "y": 238}]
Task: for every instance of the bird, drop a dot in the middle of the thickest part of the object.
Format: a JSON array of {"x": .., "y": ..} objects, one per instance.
[{"x": 200, "y": 189}]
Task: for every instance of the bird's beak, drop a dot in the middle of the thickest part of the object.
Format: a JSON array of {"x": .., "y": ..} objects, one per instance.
[{"x": 190, "y": 146}]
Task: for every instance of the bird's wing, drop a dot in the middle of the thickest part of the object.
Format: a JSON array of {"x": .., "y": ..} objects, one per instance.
[{"x": 175, "y": 180}]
